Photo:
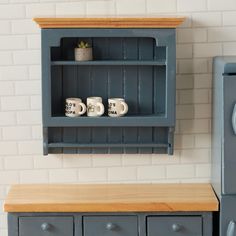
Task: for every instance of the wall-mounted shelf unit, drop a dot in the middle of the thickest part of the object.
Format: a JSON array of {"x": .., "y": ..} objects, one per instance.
[{"x": 133, "y": 61}]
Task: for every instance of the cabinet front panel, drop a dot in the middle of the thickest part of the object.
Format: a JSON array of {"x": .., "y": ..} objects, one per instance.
[
  {"x": 228, "y": 216},
  {"x": 46, "y": 226},
  {"x": 174, "y": 226},
  {"x": 229, "y": 137},
  {"x": 110, "y": 226}
]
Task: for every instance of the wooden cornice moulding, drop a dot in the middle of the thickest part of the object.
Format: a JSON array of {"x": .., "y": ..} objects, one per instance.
[
  {"x": 111, "y": 198},
  {"x": 114, "y": 22}
]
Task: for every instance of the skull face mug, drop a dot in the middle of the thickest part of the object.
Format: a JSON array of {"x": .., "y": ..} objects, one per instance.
[{"x": 95, "y": 106}]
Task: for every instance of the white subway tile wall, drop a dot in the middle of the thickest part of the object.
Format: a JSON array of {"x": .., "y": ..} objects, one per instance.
[
  {"x": 210, "y": 29},
  {"x": 159, "y": 6}
]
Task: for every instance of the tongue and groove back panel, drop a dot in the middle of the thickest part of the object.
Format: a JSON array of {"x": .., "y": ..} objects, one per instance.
[{"x": 138, "y": 65}]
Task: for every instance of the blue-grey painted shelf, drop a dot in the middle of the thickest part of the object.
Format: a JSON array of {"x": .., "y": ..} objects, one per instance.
[
  {"x": 138, "y": 65},
  {"x": 110, "y": 63},
  {"x": 105, "y": 121}
]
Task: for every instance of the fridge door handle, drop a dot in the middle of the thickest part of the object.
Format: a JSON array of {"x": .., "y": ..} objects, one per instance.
[
  {"x": 231, "y": 229},
  {"x": 234, "y": 119}
]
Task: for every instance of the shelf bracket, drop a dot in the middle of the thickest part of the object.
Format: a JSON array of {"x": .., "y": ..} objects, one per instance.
[
  {"x": 165, "y": 38},
  {"x": 170, "y": 149},
  {"x": 45, "y": 142}
]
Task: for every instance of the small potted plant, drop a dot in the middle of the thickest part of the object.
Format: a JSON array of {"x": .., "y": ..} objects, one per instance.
[{"x": 83, "y": 52}]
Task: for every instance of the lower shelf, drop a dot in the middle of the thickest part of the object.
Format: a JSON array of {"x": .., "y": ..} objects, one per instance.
[
  {"x": 108, "y": 140},
  {"x": 105, "y": 121}
]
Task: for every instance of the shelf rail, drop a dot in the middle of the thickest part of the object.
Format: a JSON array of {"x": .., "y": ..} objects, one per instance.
[
  {"x": 106, "y": 145},
  {"x": 110, "y": 63}
]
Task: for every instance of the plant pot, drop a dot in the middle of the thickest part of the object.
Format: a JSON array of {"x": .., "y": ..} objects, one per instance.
[{"x": 83, "y": 54}]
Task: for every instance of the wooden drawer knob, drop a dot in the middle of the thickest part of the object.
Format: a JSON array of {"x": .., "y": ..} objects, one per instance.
[
  {"x": 45, "y": 226},
  {"x": 176, "y": 227},
  {"x": 110, "y": 226}
]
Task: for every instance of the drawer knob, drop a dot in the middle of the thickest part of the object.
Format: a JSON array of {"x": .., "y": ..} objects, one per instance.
[
  {"x": 176, "y": 227},
  {"x": 45, "y": 226},
  {"x": 110, "y": 226}
]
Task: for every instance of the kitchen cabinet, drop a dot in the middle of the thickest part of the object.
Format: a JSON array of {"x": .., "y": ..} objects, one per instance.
[
  {"x": 223, "y": 141},
  {"x": 134, "y": 59},
  {"x": 111, "y": 210}
]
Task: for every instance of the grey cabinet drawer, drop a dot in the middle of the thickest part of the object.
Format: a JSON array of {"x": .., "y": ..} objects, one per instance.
[
  {"x": 110, "y": 226},
  {"x": 46, "y": 226},
  {"x": 174, "y": 226}
]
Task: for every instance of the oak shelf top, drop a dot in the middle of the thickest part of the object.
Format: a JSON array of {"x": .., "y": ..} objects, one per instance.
[
  {"x": 107, "y": 22},
  {"x": 111, "y": 198}
]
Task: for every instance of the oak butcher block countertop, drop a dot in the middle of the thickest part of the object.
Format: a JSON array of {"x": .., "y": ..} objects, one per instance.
[
  {"x": 110, "y": 22},
  {"x": 111, "y": 198}
]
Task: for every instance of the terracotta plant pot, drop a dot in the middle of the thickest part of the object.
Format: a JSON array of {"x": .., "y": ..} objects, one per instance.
[{"x": 83, "y": 54}]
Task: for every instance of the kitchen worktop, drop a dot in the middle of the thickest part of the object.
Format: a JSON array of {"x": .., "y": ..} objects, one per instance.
[{"x": 111, "y": 198}]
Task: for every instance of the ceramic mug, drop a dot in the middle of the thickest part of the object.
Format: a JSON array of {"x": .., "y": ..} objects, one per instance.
[
  {"x": 74, "y": 107},
  {"x": 95, "y": 106},
  {"x": 117, "y": 107}
]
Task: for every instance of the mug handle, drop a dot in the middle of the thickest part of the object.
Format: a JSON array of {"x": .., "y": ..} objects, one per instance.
[
  {"x": 125, "y": 108},
  {"x": 101, "y": 108},
  {"x": 83, "y": 109}
]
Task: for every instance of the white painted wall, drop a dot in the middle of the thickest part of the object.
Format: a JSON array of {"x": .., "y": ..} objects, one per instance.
[{"x": 209, "y": 30}]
